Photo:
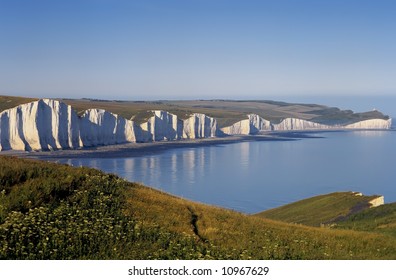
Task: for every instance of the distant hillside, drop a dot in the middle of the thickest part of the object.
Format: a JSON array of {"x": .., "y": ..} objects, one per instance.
[
  {"x": 381, "y": 219},
  {"x": 50, "y": 211},
  {"x": 320, "y": 210}
]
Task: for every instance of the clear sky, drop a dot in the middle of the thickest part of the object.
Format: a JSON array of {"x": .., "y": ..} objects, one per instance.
[{"x": 189, "y": 49}]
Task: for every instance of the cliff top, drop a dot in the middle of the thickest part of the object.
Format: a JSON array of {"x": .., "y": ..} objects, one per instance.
[{"x": 226, "y": 112}]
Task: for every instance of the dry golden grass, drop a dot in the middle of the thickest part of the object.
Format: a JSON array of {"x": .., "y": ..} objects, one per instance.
[{"x": 7, "y": 102}]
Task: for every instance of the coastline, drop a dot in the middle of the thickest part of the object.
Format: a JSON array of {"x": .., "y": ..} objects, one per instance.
[
  {"x": 140, "y": 149},
  {"x": 134, "y": 149}
]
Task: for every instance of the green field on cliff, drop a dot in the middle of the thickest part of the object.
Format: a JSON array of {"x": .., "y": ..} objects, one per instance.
[{"x": 52, "y": 211}]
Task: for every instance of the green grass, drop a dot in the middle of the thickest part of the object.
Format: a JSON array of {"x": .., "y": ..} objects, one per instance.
[
  {"x": 380, "y": 219},
  {"x": 319, "y": 210},
  {"x": 51, "y": 211}
]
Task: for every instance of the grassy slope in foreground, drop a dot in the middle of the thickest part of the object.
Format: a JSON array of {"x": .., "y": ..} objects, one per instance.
[
  {"x": 323, "y": 209},
  {"x": 51, "y": 211}
]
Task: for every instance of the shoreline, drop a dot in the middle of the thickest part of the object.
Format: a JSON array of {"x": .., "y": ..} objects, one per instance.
[
  {"x": 140, "y": 149},
  {"x": 134, "y": 149}
]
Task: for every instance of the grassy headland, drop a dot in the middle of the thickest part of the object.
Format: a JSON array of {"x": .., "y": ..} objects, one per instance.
[
  {"x": 320, "y": 210},
  {"x": 381, "y": 219},
  {"x": 51, "y": 211}
]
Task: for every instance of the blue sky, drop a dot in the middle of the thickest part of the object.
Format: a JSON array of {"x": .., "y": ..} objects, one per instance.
[{"x": 189, "y": 49}]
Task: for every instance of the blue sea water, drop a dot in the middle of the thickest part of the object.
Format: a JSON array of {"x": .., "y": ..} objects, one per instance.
[{"x": 258, "y": 175}]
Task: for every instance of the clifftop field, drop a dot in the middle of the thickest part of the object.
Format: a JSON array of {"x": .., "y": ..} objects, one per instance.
[{"x": 52, "y": 211}]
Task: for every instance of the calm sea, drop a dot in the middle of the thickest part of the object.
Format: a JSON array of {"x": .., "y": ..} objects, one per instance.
[{"x": 254, "y": 176}]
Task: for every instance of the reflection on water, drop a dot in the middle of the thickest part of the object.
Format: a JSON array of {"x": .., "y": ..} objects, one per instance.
[
  {"x": 244, "y": 155},
  {"x": 372, "y": 133},
  {"x": 253, "y": 176}
]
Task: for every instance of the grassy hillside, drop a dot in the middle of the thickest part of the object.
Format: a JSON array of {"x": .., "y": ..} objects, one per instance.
[
  {"x": 323, "y": 209},
  {"x": 226, "y": 112},
  {"x": 380, "y": 219},
  {"x": 51, "y": 211}
]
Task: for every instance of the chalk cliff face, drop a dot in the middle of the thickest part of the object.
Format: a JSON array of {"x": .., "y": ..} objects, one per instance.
[
  {"x": 252, "y": 125},
  {"x": 49, "y": 124},
  {"x": 42, "y": 125},
  {"x": 99, "y": 127},
  {"x": 199, "y": 126},
  {"x": 257, "y": 124},
  {"x": 166, "y": 126},
  {"x": 298, "y": 124},
  {"x": 371, "y": 124},
  {"x": 161, "y": 126},
  {"x": 377, "y": 202},
  {"x": 239, "y": 128}
]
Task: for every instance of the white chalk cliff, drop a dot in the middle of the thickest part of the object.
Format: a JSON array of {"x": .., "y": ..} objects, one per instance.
[
  {"x": 199, "y": 126},
  {"x": 371, "y": 124},
  {"x": 99, "y": 127},
  {"x": 42, "y": 125},
  {"x": 49, "y": 125},
  {"x": 256, "y": 124},
  {"x": 380, "y": 200},
  {"x": 161, "y": 126},
  {"x": 252, "y": 125},
  {"x": 298, "y": 124},
  {"x": 166, "y": 126}
]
